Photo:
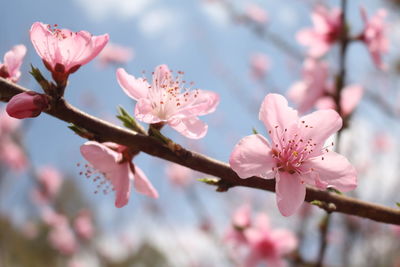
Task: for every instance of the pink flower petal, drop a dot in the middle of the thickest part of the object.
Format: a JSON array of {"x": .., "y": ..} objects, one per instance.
[
  {"x": 252, "y": 156},
  {"x": 351, "y": 96},
  {"x": 121, "y": 177},
  {"x": 94, "y": 48},
  {"x": 298, "y": 93},
  {"x": 134, "y": 88},
  {"x": 206, "y": 102},
  {"x": 318, "y": 48},
  {"x": 106, "y": 160},
  {"x": 161, "y": 76},
  {"x": 320, "y": 19},
  {"x": 306, "y": 37},
  {"x": 40, "y": 35},
  {"x": 13, "y": 61},
  {"x": 190, "y": 127},
  {"x": 319, "y": 125},
  {"x": 290, "y": 193},
  {"x": 277, "y": 115},
  {"x": 12, "y": 155},
  {"x": 333, "y": 169},
  {"x": 99, "y": 156},
  {"x": 286, "y": 241},
  {"x": 143, "y": 185},
  {"x": 242, "y": 216},
  {"x": 262, "y": 223},
  {"x": 326, "y": 102},
  {"x": 66, "y": 48},
  {"x": 144, "y": 111}
]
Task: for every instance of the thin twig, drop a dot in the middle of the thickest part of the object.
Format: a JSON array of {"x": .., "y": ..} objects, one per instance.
[{"x": 340, "y": 83}]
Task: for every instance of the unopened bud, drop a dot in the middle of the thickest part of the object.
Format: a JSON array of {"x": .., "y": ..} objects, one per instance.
[{"x": 27, "y": 105}]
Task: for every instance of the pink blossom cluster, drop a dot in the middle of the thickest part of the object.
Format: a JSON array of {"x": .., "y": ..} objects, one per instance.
[
  {"x": 315, "y": 90},
  {"x": 11, "y": 153},
  {"x": 328, "y": 30},
  {"x": 256, "y": 241},
  {"x": 63, "y": 236}
]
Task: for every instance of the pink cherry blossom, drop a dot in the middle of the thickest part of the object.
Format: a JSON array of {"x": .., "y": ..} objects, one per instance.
[
  {"x": 11, "y": 154},
  {"x": 61, "y": 236},
  {"x": 63, "y": 51},
  {"x": 256, "y": 13},
  {"x": 314, "y": 85},
  {"x": 268, "y": 245},
  {"x": 179, "y": 175},
  {"x": 83, "y": 225},
  {"x": 259, "y": 65},
  {"x": 167, "y": 100},
  {"x": 49, "y": 182},
  {"x": 114, "y": 162},
  {"x": 27, "y": 105},
  {"x": 115, "y": 54},
  {"x": 374, "y": 35},
  {"x": 296, "y": 155},
  {"x": 326, "y": 31},
  {"x": 12, "y": 62}
]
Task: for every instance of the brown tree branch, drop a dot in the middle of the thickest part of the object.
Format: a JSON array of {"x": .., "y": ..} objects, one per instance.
[{"x": 105, "y": 131}]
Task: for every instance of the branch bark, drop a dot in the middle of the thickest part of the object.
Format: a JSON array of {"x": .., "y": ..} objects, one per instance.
[{"x": 105, "y": 131}]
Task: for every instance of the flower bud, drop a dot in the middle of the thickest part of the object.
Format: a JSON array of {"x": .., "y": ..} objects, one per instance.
[{"x": 27, "y": 105}]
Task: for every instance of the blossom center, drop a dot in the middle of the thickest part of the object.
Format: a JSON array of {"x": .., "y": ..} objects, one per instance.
[
  {"x": 169, "y": 95},
  {"x": 61, "y": 35},
  {"x": 290, "y": 150}
]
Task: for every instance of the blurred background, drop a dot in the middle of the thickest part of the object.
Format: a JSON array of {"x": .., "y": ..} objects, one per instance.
[{"x": 240, "y": 49}]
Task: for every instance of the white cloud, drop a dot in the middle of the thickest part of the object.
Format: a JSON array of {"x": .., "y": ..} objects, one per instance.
[
  {"x": 153, "y": 19},
  {"x": 216, "y": 12},
  {"x": 157, "y": 21},
  {"x": 117, "y": 9}
]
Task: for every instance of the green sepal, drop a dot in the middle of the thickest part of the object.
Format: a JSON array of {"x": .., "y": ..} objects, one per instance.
[
  {"x": 334, "y": 190},
  {"x": 128, "y": 121},
  {"x": 158, "y": 135},
  {"x": 316, "y": 203},
  {"x": 81, "y": 131},
  {"x": 209, "y": 180},
  {"x": 47, "y": 86}
]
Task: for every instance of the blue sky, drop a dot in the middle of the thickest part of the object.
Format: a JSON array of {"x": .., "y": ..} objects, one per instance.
[{"x": 192, "y": 36}]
